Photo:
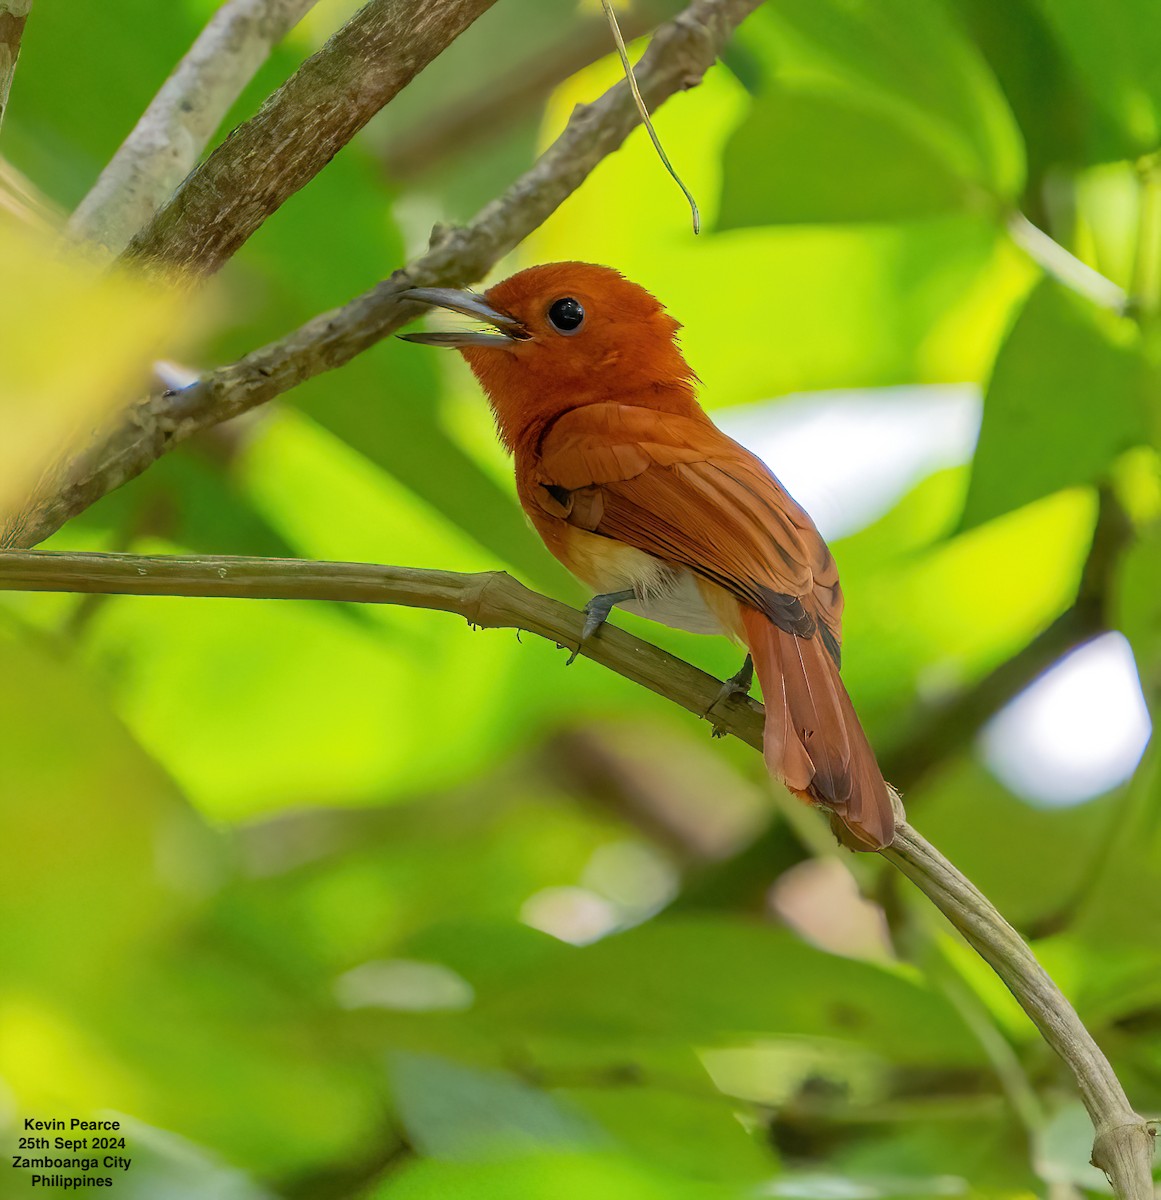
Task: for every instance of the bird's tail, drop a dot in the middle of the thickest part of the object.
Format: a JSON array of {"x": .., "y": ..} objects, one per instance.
[{"x": 814, "y": 742}]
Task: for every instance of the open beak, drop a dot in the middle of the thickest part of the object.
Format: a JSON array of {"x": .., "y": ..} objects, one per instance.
[{"x": 509, "y": 329}]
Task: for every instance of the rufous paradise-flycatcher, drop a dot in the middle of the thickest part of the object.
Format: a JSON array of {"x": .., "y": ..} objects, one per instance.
[{"x": 645, "y": 500}]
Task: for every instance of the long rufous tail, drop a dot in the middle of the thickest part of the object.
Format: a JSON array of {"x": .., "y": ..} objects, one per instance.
[{"x": 814, "y": 742}]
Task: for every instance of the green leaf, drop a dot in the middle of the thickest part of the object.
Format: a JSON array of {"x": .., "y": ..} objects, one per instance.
[
  {"x": 92, "y": 822},
  {"x": 1063, "y": 1151},
  {"x": 1138, "y": 600},
  {"x": 654, "y": 992},
  {"x": 549, "y": 1177},
  {"x": 65, "y": 55},
  {"x": 699, "y": 1136},
  {"x": 874, "y": 111},
  {"x": 776, "y": 309},
  {"x": 919, "y": 626},
  {"x": 456, "y": 1112},
  {"x": 1060, "y": 123},
  {"x": 834, "y": 158},
  {"x": 398, "y": 430},
  {"x": 1067, "y": 395},
  {"x": 1116, "y": 47},
  {"x": 965, "y": 806}
]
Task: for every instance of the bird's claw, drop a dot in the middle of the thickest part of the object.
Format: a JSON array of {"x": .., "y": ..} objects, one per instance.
[
  {"x": 737, "y": 685},
  {"x": 596, "y": 614}
]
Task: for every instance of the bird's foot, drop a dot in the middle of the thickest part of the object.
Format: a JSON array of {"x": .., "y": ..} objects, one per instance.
[
  {"x": 596, "y": 614},
  {"x": 736, "y": 685}
]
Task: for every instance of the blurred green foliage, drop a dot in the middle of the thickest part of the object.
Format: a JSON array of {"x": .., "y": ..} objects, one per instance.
[{"x": 280, "y": 882}]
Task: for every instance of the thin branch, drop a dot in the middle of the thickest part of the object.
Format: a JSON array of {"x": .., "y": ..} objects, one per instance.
[
  {"x": 490, "y": 600},
  {"x": 299, "y": 129},
  {"x": 680, "y": 53},
  {"x": 1064, "y": 266},
  {"x": 1123, "y": 1146},
  {"x": 168, "y": 140},
  {"x": 13, "y": 14}
]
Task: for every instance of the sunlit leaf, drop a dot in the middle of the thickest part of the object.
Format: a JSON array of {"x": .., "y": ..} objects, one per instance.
[
  {"x": 1067, "y": 395},
  {"x": 563, "y": 1177},
  {"x": 836, "y": 159},
  {"x": 77, "y": 344},
  {"x": 870, "y": 112}
]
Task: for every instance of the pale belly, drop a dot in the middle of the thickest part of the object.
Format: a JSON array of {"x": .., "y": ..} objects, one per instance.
[{"x": 670, "y": 594}]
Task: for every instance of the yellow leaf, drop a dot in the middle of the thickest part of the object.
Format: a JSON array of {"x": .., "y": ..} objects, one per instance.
[{"x": 76, "y": 344}]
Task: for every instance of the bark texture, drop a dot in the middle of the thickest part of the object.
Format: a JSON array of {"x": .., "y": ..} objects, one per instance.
[
  {"x": 299, "y": 129},
  {"x": 680, "y": 53},
  {"x": 13, "y": 14},
  {"x": 167, "y": 141}
]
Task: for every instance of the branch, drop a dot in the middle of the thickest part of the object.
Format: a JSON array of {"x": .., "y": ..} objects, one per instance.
[
  {"x": 1123, "y": 1147},
  {"x": 168, "y": 140},
  {"x": 490, "y": 600},
  {"x": 13, "y": 14},
  {"x": 678, "y": 56},
  {"x": 299, "y": 129},
  {"x": 1064, "y": 266}
]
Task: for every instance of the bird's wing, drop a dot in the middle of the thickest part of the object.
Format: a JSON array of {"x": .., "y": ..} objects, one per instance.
[{"x": 678, "y": 488}]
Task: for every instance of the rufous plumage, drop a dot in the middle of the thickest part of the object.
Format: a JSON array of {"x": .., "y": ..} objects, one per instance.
[{"x": 636, "y": 491}]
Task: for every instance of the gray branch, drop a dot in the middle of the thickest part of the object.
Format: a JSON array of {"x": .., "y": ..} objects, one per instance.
[
  {"x": 299, "y": 129},
  {"x": 168, "y": 140},
  {"x": 681, "y": 51},
  {"x": 1123, "y": 1146},
  {"x": 13, "y": 14}
]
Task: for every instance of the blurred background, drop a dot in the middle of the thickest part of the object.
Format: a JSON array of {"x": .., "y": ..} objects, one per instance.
[{"x": 327, "y": 901}]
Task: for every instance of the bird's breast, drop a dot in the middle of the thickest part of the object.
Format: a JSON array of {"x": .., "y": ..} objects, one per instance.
[{"x": 666, "y": 592}]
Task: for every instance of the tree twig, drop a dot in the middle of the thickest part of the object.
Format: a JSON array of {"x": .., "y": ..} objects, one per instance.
[
  {"x": 678, "y": 56},
  {"x": 173, "y": 131},
  {"x": 1123, "y": 1145},
  {"x": 491, "y": 600},
  {"x": 13, "y": 14},
  {"x": 1064, "y": 266},
  {"x": 299, "y": 129}
]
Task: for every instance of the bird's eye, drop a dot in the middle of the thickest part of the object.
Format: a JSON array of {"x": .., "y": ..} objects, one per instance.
[{"x": 566, "y": 315}]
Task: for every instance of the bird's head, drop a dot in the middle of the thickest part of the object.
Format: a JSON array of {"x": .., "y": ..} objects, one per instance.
[{"x": 563, "y": 335}]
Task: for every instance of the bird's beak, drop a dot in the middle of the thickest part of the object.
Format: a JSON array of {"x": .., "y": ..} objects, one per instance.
[{"x": 509, "y": 329}]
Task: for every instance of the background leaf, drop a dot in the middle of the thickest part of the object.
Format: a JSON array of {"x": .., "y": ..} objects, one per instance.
[{"x": 1065, "y": 398}]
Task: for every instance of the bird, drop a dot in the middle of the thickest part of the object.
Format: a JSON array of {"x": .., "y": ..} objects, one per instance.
[{"x": 636, "y": 491}]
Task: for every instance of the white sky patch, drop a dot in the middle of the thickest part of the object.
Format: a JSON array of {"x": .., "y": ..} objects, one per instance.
[
  {"x": 847, "y": 457},
  {"x": 1076, "y": 732}
]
